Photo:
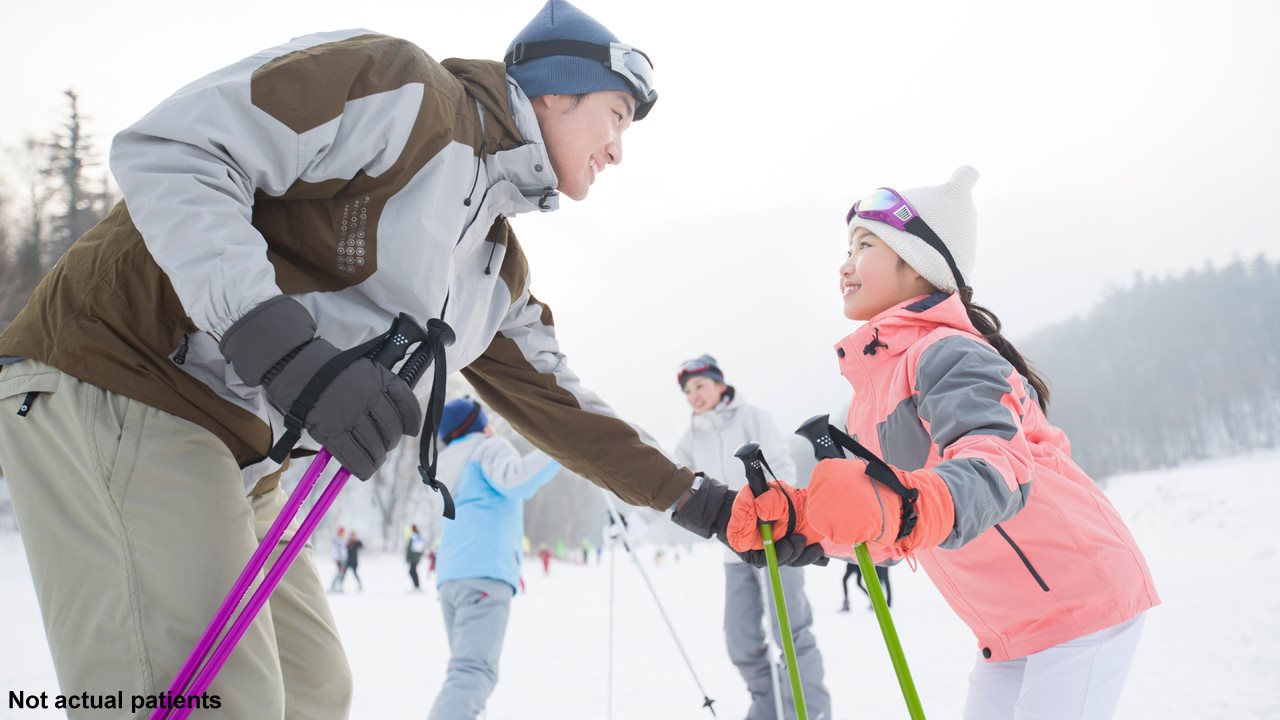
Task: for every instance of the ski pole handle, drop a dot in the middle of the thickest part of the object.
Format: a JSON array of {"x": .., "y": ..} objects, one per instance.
[
  {"x": 405, "y": 331},
  {"x": 753, "y": 458},
  {"x": 815, "y": 431},
  {"x": 438, "y": 333}
]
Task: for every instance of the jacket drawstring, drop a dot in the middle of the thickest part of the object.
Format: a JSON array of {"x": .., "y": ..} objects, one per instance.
[
  {"x": 870, "y": 349},
  {"x": 475, "y": 180},
  {"x": 490, "y": 263}
]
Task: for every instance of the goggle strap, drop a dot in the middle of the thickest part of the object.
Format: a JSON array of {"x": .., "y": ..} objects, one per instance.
[
  {"x": 549, "y": 48},
  {"x": 918, "y": 227}
]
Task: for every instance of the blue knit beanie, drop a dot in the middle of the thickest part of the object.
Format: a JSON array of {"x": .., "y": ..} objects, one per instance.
[
  {"x": 564, "y": 74},
  {"x": 461, "y": 417}
]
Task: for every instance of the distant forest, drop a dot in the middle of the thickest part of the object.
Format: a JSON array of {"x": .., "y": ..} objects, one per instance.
[{"x": 1168, "y": 370}]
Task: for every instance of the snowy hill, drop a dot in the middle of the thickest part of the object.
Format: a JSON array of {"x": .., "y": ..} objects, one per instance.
[{"x": 1212, "y": 650}]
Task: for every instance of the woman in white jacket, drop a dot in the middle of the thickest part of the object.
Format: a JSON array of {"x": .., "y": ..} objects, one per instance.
[{"x": 721, "y": 423}]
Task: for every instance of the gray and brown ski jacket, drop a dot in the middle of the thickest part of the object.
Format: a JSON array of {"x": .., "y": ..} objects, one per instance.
[{"x": 354, "y": 173}]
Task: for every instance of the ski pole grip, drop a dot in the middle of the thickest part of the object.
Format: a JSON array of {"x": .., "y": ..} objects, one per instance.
[
  {"x": 815, "y": 431},
  {"x": 753, "y": 458},
  {"x": 405, "y": 331},
  {"x": 437, "y": 337}
]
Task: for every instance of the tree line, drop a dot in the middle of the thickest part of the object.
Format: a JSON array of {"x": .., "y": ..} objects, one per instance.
[
  {"x": 67, "y": 191},
  {"x": 1169, "y": 370}
]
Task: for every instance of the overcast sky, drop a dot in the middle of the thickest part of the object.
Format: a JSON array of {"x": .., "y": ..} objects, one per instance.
[{"x": 1112, "y": 138}]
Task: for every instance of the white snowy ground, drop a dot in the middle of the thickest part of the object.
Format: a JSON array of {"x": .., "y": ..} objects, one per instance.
[{"x": 1212, "y": 650}]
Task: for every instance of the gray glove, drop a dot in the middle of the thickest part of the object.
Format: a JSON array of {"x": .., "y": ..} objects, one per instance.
[
  {"x": 358, "y": 418},
  {"x": 706, "y": 512}
]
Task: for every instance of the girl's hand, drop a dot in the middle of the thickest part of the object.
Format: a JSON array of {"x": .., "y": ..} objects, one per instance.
[
  {"x": 847, "y": 507},
  {"x": 781, "y": 504}
]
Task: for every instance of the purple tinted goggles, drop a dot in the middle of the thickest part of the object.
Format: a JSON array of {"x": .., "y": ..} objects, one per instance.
[{"x": 887, "y": 205}]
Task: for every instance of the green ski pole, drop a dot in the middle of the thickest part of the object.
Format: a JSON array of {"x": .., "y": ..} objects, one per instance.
[
  {"x": 815, "y": 431},
  {"x": 753, "y": 458}
]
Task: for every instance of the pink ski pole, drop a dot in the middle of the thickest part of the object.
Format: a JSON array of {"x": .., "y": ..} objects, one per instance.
[
  {"x": 241, "y": 586},
  {"x": 388, "y": 350}
]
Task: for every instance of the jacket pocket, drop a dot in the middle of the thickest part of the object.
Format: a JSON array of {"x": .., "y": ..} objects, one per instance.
[
  {"x": 22, "y": 383},
  {"x": 1023, "y": 557}
]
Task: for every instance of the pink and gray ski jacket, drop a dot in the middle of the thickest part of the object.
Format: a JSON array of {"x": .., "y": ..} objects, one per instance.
[{"x": 1038, "y": 555}]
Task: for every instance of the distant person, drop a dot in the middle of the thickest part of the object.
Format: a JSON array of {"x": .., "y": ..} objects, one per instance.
[
  {"x": 1020, "y": 541},
  {"x": 544, "y": 554},
  {"x": 721, "y": 422},
  {"x": 413, "y": 555},
  {"x": 851, "y": 569},
  {"x": 479, "y": 569},
  {"x": 338, "y": 548},
  {"x": 354, "y": 546}
]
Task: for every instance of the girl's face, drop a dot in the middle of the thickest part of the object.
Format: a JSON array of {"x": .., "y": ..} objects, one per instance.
[
  {"x": 703, "y": 394},
  {"x": 875, "y": 279}
]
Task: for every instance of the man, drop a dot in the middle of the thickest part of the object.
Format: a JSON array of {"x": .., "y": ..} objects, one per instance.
[
  {"x": 277, "y": 212},
  {"x": 480, "y": 550}
]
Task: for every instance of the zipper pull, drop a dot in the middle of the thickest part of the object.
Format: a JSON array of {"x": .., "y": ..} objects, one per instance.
[
  {"x": 26, "y": 404},
  {"x": 180, "y": 356}
]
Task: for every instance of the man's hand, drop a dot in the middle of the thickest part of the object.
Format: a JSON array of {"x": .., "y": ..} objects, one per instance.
[
  {"x": 710, "y": 510},
  {"x": 358, "y": 417}
]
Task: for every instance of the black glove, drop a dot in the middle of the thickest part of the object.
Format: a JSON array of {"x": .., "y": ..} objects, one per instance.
[
  {"x": 706, "y": 512},
  {"x": 358, "y": 417}
]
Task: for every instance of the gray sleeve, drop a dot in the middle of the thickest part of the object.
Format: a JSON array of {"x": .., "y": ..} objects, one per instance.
[{"x": 960, "y": 385}]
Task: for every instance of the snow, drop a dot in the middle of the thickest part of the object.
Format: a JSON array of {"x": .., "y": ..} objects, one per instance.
[{"x": 1209, "y": 651}]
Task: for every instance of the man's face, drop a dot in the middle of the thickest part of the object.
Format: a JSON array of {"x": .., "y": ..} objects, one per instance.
[{"x": 583, "y": 135}]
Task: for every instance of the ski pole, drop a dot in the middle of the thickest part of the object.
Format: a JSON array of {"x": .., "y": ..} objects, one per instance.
[
  {"x": 816, "y": 431},
  {"x": 626, "y": 543},
  {"x": 775, "y": 666},
  {"x": 753, "y": 458},
  {"x": 387, "y": 350}
]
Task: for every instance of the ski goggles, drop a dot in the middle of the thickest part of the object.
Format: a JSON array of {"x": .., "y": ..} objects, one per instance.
[
  {"x": 694, "y": 368},
  {"x": 889, "y": 207},
  {"x": 625, "y": 61}
]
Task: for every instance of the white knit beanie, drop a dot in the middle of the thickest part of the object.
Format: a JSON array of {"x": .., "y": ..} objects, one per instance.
[{"x": 949, "y": 210}]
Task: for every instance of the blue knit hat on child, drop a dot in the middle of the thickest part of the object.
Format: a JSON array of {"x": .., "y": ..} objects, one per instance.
[
  {"x": 541, "y": 68},
  {"x": 461, "y": 417}
]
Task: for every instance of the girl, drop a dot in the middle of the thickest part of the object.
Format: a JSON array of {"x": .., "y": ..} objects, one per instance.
[{"x": 1022, "y": 544}]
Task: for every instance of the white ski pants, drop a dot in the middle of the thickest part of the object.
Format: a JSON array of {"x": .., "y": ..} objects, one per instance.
[
  {"x": 1077, "y": 680},
  {"x": 135, "y": 524}
]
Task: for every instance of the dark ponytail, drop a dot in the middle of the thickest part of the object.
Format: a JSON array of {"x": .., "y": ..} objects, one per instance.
[{"x": 988, "y": 324}]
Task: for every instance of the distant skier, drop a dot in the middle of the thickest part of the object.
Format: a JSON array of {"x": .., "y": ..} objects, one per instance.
[
  {"x": 720, "y": 423},
  {"x": 413, "y": 554},
  {"x": 851, "y": 569},
  {"x": 354, "y": 546},
  {"x": 338, "y": 548},
  {"x": 479, "y": 567}
]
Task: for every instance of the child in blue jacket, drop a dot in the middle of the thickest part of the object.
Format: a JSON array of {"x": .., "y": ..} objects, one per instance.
[{"x": 478, "y": 568}]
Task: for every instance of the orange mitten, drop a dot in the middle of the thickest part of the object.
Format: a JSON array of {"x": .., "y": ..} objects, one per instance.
[
  {"x": 780, "y": 504},
  {"x": 846, "y": 506}
]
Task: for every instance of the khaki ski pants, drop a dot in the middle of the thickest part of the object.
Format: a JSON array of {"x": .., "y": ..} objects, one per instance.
[{"x": 135, "y": 524}]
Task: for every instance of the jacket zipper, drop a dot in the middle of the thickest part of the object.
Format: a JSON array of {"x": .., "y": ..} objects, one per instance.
[{"x": 1023, "y": 557}]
